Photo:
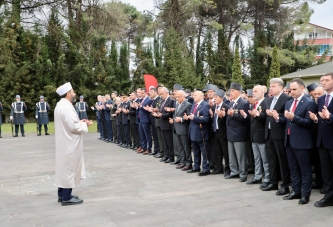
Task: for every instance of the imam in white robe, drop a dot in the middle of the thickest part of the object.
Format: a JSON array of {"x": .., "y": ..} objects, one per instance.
[{"x": 69, "y": 130}]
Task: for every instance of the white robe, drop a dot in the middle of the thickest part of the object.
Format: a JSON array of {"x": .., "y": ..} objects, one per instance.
[{"x": 69, "y": 130}]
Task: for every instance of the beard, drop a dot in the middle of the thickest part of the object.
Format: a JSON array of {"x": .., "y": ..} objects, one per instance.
[{"x": 73, "y": 98}]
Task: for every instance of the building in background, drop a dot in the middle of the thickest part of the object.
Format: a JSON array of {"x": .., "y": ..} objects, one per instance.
[{"x": 316, "y": 35}]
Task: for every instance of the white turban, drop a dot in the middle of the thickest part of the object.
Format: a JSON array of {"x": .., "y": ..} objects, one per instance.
[{"x": 63, "y": 89}]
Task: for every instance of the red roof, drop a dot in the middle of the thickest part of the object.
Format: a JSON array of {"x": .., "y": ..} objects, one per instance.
[{"x": 321, "y": 27}]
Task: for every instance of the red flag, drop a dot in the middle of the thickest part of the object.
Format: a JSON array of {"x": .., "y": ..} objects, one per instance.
[{"x": 150, "y": 82}]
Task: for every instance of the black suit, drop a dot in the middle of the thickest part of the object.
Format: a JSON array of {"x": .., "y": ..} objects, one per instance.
[
  {"x": 153, "y": 127},
  {"x": 134, "y": 127},
  {"x": 276, "y": 152},
  {"x": 167, "y": 128},
  {"x": 125, "y": 122},
  {"x": 220, "y": 141}
]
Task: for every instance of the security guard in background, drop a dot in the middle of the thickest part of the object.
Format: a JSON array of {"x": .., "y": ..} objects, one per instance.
[
  {"x": 81, "y": 108},
  {"x": 17, "y": 115},
  {"x": 42, "y": 109}
]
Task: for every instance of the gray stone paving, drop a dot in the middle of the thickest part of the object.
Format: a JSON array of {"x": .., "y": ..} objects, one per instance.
[{"x": 126, "y": 189}]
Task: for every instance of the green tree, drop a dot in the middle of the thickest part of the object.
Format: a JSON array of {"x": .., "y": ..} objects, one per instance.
[
  {"x": 237, "y": 69},
  {"x": 275, "y": 66}
]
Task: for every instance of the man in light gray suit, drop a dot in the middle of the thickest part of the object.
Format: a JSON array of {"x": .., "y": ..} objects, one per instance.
[{"x": 180, "y": 130}]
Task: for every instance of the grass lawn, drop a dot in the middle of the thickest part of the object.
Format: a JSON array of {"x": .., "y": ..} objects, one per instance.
[{"x": 31, "y": 128}]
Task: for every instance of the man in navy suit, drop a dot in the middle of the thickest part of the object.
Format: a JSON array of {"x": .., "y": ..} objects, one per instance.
[
  {"x": 238, "y": 133},
  {"x": 324, "y": 138},
  {"x": 298, "y": 140},
  {"x": 108, "y": 117},
  {"x": 144, "y": 116},
  {"x": 198, "y": 133}
]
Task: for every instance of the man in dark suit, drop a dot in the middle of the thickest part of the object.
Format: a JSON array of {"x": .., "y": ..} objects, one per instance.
[
  {"x": 113, "y": 109},
  {"x": 274, "y": 135},
  {"x": 189, "y": 97},
  {"x": 257, "y": 138},
  {"x": 311, "y": 88},
  {"x": 125, "y": 121},
  {"x": 108, "y": 118},
  {"x": 238, "y": 133},
  {"x": 118, "y": 121},
  {"x": 153, "y": 95},
  {"x": 198, "y": 133},
  {"x": 166, "y": 127},
  {"x": 324, "y": 138},
  {"x": 136, "y": 105},
  {"x": 219, "y": 128},
  {"x": 144, "y": 115},
  {"x": 133, "y": 125},
  {"x": 103, "y": 119},
  {"x": 158, "y": 122},
  {"x": 298, "y": 140},
  {"x": 180, "y": 129}
]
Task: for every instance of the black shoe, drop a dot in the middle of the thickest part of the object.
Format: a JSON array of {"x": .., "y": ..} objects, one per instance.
[
  {"x": 168, "y": 161},
  {"x": 158, "y": 155},
  {"x": 15, "y": 135},
  {"x": 292, "y": 195},
  {"x": 194, "y": 171},
  {"x": 283, "y": 191},
  {"x": 73, "y": 196},
  {"x": 175, "y": 162},
  {"x": 254, "y": 181},
  {"x": 322, "y": 191},
  {"x": 324, "y": 202},
  {"x": 304, "y": 200},
  {"x": 204, "y": 173},
  {"x": 263, "y": 185},
  {"x": 23, "y": 135},
  {"x": 232, "y": 176},
  {"x": 72, "y": 201},
  {"x": 39, "y": 134},
  {"x": 47, "y": 134},
  {"x": 152, "y": 153},
  {"x": 217, "y": 171},
  {"x": 242, "y": 179},
  {"x": 0, "y": 136},
  {"x": 163, "y": 159},
  {"x": 316, "y": 186},
  {"x": 270, "y": 187}
]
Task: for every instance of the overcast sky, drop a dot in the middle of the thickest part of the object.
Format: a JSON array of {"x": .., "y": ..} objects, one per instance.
[{"x": 322, "y": 16}]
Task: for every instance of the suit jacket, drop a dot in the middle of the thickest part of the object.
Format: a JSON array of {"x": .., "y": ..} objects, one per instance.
[
  {"x": 137, "y": 111},
  {"x": 181, "y": 128},
  {"x": 113, "y": 111},
  {"x": 132, "y": 114},
  {"x": 238, "y": 127},
  {"x": 144, "y": 114},
  {"x": 119, "y": 115},
  {"x": 325, "y": 128},
  {"x": 153, "y": 104},
  {"x": 258, "y": 124},
  {"x": 125, "y": 117},
  {"x": 108, "y": 111},
  {"x": 201, "y": 116},
  {"x": 301, "y": 125},
  {"x": 221, "y": 121},
  {"x": 164, "y": 123},
  {"x": 277, "y": 130}
]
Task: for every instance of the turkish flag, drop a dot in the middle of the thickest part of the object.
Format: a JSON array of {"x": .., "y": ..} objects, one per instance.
[{"x": 150, "y": 81}]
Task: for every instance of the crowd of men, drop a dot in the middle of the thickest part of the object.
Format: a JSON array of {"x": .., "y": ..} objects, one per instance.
[{"x": 281, "y": 134}]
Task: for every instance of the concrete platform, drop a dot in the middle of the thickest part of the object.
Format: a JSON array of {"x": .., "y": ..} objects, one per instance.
[{"x": 126, "y": 189}]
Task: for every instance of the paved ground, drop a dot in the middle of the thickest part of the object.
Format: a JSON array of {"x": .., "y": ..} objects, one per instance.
[{"x": 126, "y": 189}]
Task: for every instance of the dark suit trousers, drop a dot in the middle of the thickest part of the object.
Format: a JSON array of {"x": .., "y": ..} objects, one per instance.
[
  {"x": 135, "y": 135},
  {"x": 277, "y": 159},
  {"x": 160, "y": 139},
  {"x": 177, "y": 146},
  {"x": 200, "y": 150},
  {"x": 120, "y": 133},
  {"x": 168, "y": 144},
  {"x": 17, "y": 129},
  {"x": 155, "y": 137},
  {"x": 326, "y": 159},
  {"x": 317, "y": 165},
  {"x": 127, "y": 137},
  {"x": 65, "y": 193},
  {"x": 114, "y": 130},
  {"x": 145, "y": 135},
  {"x": 45, "y": 128},
  {"x": 109, "y": 129},
  {"x": 250, "y": 156},
  {"x": 300, "y": 170},
  {"x": 102, "y": 129},
  {"x": 184, "y": 149},
  {"x": 220, "y": 151}
]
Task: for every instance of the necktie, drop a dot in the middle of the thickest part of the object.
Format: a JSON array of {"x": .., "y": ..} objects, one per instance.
[
  {"x": 273, "y": 103},
  {"x": 215, "y": 126},
  {"x": 327, "y": 99},
  {"x": 162, "y": 106},
  {"x": 232, "y": 104},
  {"x": 255, "y": 105},
  {"x": 195, "y": 108},
  {"x": 293, "y": 110}
]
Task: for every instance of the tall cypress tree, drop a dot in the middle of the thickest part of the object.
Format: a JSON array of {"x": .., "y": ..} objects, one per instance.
[
  {"x": 275, "y": 66},
  {"x": 237, "y": 69}
]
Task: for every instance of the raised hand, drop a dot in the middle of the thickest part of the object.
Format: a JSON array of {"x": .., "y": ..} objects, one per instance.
[
  {"x": 185, "y": 117},
  {"x": 231, "y": 112},
  {"x": 313, "y": 116}
]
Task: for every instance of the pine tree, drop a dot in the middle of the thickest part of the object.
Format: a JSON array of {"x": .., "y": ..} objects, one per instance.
[
  {"x": 275, "y": 66},
  {"x": 236, "y": 69}
]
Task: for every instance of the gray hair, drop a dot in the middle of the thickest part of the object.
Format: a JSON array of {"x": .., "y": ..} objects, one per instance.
[
  {"x": 165, "y": 89},
  {"x": 182, "y": 93},
  {"x": 279, "y": 81}
]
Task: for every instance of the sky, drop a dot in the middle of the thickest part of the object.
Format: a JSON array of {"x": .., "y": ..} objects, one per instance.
[{"x": 322, "y": 16}]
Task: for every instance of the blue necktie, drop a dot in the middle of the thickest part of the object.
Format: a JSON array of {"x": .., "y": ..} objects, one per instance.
[{"x": 215, "y": 120}]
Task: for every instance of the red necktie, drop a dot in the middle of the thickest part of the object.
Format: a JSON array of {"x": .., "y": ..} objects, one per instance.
[
  {"x": 255, "y": 105},
  {"x": 293, "y": 110},
  {"x": 195, "y": 108}
]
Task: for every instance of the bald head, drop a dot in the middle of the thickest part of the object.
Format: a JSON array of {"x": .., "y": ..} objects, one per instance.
[{"x": 198, "y": 96}]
